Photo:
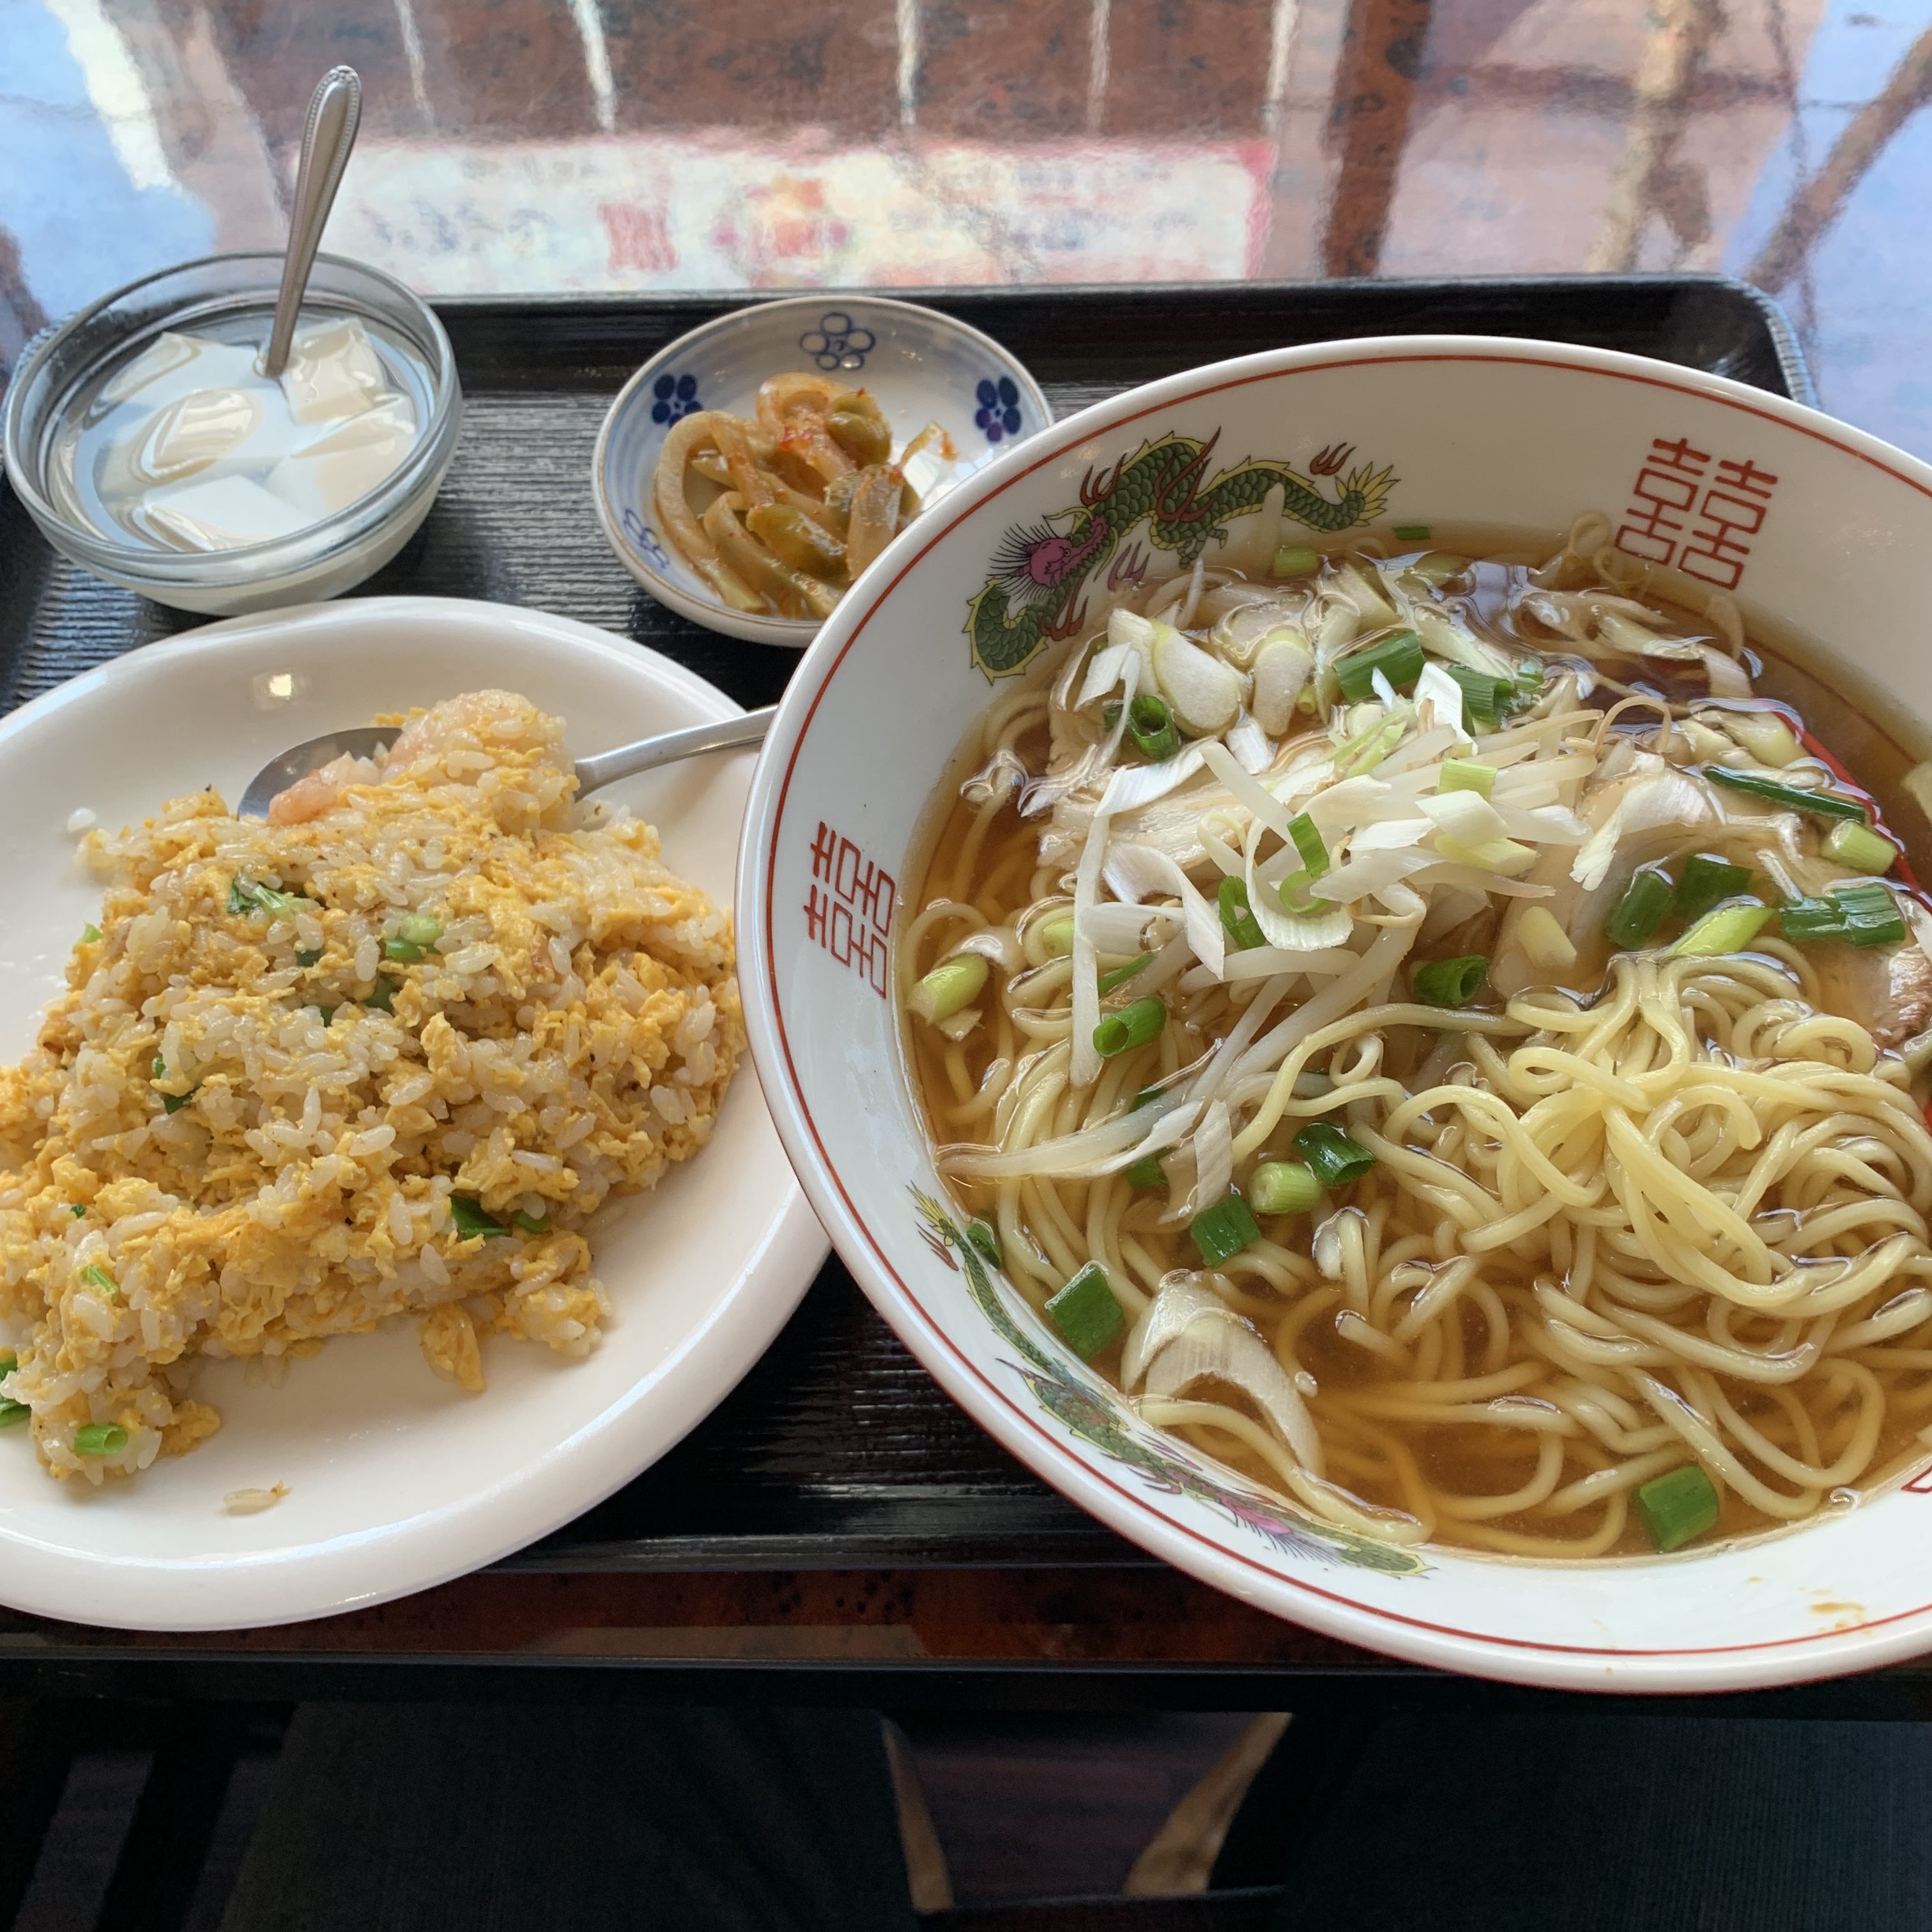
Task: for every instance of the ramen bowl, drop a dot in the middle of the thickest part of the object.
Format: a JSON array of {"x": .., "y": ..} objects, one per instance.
[{"x": 1816, "y": 527}]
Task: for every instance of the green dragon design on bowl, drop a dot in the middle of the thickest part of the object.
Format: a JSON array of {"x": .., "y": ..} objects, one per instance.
[{"x": 1035, "y": 593}]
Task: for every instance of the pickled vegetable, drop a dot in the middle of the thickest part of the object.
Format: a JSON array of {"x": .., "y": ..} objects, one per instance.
[
  {"x": 860, "y": 428},
  {"x": 779, "y": 515},
  {"x": 795, "y": 539}
]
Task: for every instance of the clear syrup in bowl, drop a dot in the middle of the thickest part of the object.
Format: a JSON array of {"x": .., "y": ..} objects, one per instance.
[{"x": 187, "y": 446}]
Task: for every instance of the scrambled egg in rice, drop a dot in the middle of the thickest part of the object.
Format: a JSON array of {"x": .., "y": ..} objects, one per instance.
[{"x": 383, "y": 1055}]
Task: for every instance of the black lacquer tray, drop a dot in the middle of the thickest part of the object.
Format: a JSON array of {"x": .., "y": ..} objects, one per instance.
[{"x": 838, "y": 1451}]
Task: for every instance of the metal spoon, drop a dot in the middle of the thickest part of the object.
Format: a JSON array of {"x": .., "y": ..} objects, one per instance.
[
  {"x": 327, "y": 137},
  {"x": 592, "y": 773}
]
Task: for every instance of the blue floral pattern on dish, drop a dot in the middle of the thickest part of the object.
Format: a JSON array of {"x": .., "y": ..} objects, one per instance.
[
  {"x": 836, "y": 342},
  {"x": 999, "y": 411},
  {"x": 674, "y": 397},
  {"x": 646, "y": 539}
]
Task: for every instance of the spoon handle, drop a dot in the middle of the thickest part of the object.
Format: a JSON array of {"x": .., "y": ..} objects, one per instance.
[
  {"x": 327, "y": 138},
  {"x": 628, "y": 760}
]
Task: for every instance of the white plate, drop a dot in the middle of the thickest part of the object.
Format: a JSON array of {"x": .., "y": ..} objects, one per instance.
[{"x": 397, "y": 1479}]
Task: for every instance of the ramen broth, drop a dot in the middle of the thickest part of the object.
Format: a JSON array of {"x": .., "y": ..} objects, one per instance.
[{"x": 1412, "y": 1448}]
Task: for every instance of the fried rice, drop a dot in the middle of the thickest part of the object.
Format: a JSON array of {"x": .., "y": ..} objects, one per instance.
[{"x": 383, "y": 1057}]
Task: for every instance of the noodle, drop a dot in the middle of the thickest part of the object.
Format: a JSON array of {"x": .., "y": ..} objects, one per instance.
[{"x": 1658, "y": 1206}]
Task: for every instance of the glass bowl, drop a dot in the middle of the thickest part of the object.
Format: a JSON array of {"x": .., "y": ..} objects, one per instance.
[{"x": 62, "y": 368}]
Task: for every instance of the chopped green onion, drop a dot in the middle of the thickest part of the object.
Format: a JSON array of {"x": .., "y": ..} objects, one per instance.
[
  {"x": 1399, "y": 658},
  {"x": 1237, "y": 915},
  {"x": 1086, "y": 1313},
  {"x": 328, "y": 1013},
  {"x": 1224, "y": 1230},
  {"x": 1366, "y": 749},
  {"x": 1451, "y": 982},
  {"x": 1793, "y": 798},
  {"x": 1860, "y": 848},
  {"x": 416, "y": 933},
  {"x": 1485, "y": 696},
  {"x": 1121, "y": 975},
  {"x": 1293, "y": 890},
  {"x": 1870, "y": 911},
  {"x": 1678, "y": 1506},
  {"x": 1315, "y": 860},
  {"x": 1146, "y": 1097},
  {"x": 532, "y": 1224},
  {"x": 1335, "y": 1158},
  {"x": 245, "y": 897},
  {"x": 100, "y": 1438},
  {"x": 1529, "y": 675},
  {"x": 948, "y": 988},
  {"x": 381, "y": 996},
  {"x": 1283, "y": 1187},
  {"x": 1297, "y": 899},
  {"x": 472, "y": 1218},
  {"x": 1802, "y": 920},
  {"x": 1509, "y": 856},
  {"x": 1357, "y": 742},
  {"x": 1412, "y": 532},
  {"x": 77, "y": 1209},
  {"x": 1151, "y": 725},
  {"x": 1861, "y": 912},
  {"x": 1763, "y": 733},
  {"x": 1296, "y": 560},
  {"x": 984, "y": 1239},
  {"x": 1707, "y": 881},
  {"x": 95, "y": 1275},
  {"x": 90, "y": 935},
  {"x": 1641, "y": 910},
  {"x": 1056, "y": 935},
  {"x": 1730, "y": 929},
  {"x": 172, "y": 1103},
  {"x": 1466, "y": 775},
  {"x": 1131, "y": 1027},
  {"x": 306, "y": 956},
  {"x": 11, "y": 1412},
  {"x": 9, "y": 1362}
]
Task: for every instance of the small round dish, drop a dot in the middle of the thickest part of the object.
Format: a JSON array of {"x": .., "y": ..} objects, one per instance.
[
  {"x": 922, "y": 366},
  {"x": 68, "y": 363},
  {"x": 396, "y": 1480}
]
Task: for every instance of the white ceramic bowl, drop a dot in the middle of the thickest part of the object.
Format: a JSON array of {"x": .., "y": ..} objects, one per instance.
[
  {"x": 396, "y": 1479},
  {"x": 1825, "y": 527},
  {"x": 921, "y": 366}
]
